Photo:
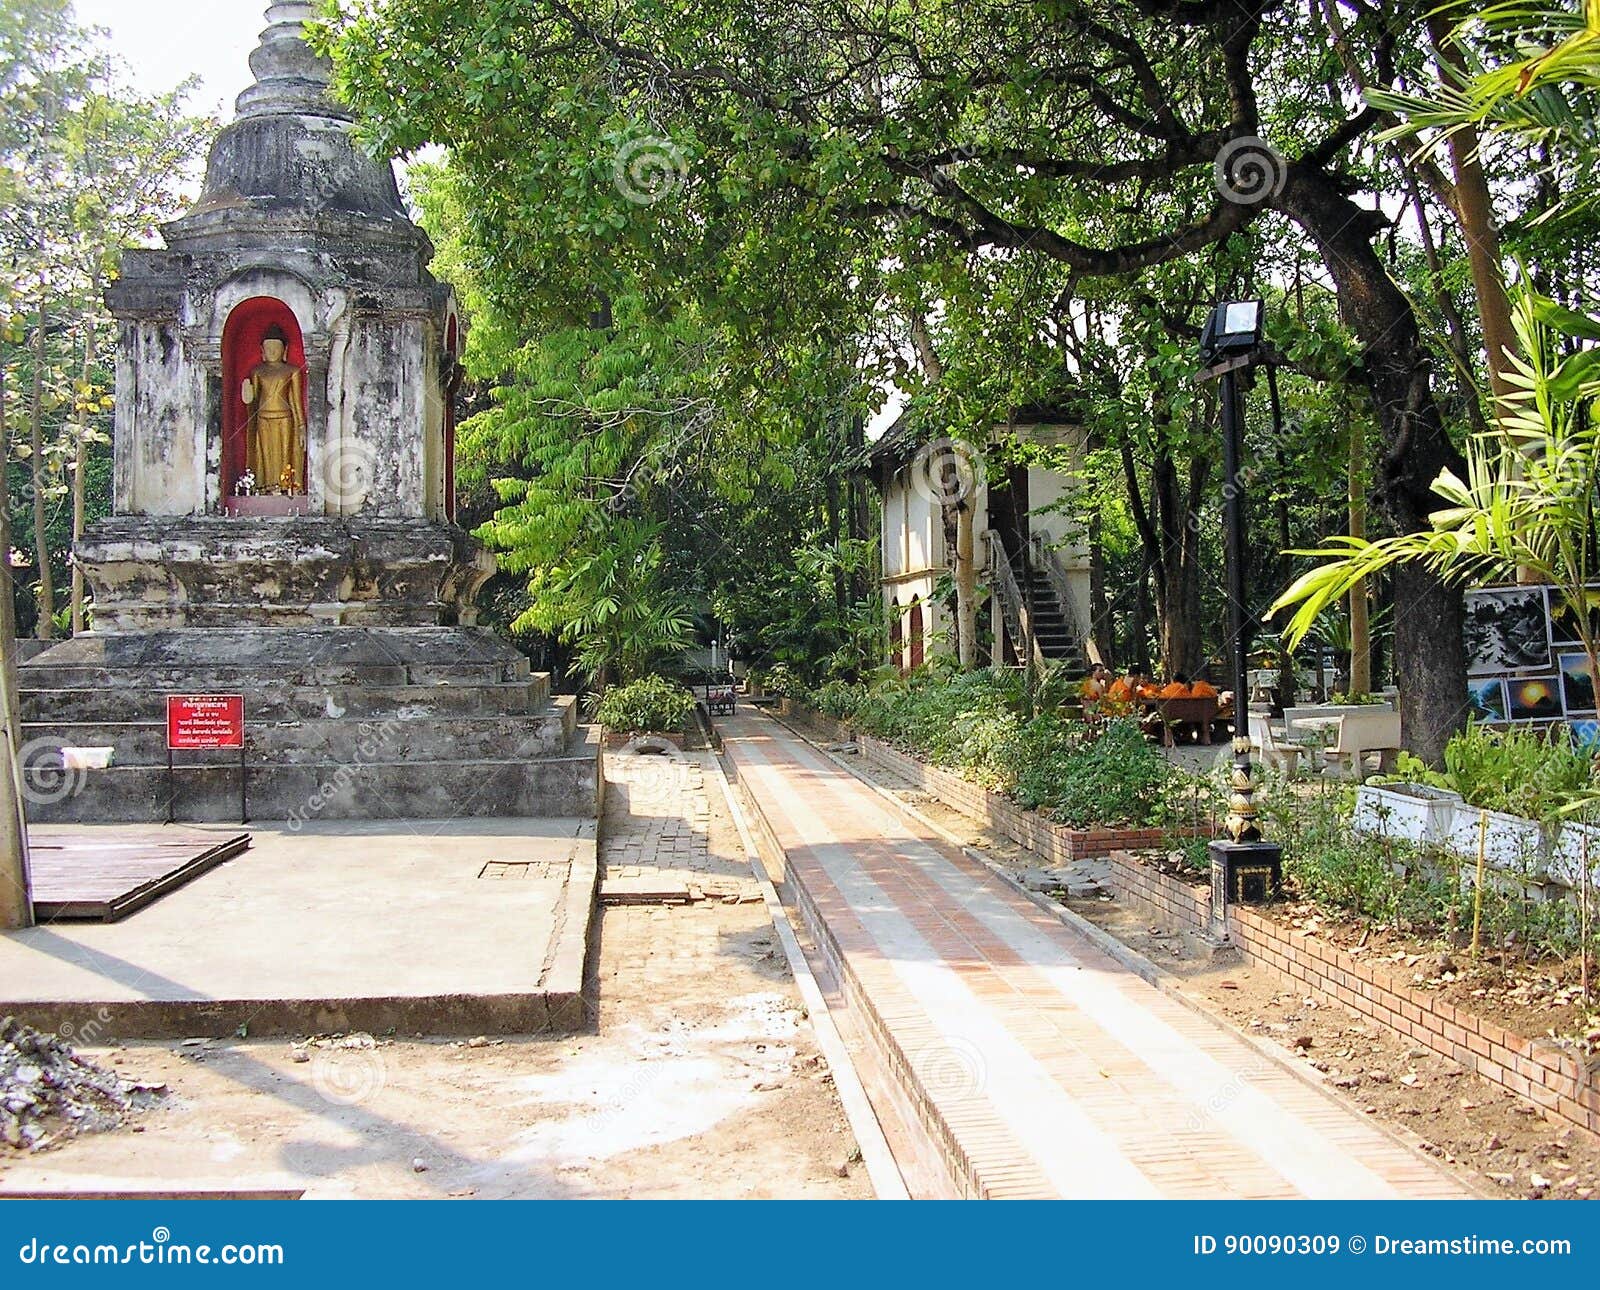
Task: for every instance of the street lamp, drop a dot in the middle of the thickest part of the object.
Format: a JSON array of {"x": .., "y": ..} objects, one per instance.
[{"x": 1244, "y": 868}]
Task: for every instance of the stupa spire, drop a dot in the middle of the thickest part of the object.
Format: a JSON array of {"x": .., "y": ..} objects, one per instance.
[{"x": 289, "y": 76}]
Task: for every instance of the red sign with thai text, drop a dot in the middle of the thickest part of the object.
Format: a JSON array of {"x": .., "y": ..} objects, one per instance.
[{"x": 205, "y": 721}]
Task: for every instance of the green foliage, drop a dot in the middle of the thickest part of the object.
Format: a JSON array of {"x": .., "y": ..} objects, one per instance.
[
  {"x": 1522, "y": 772},
  {"x": 613, "y": 602},
  {"x": 1117, "y": 778},
  {"x": 838, "y": 699},
  {"x": 1527, "y": 504},
  {"x": 1327, "y": 861},
  {"x": 785, "y": 682},
  {"x": 652, "y": 703},
  {"x": 973, "y": 723},
  {"x": 1537, "y": 774}
]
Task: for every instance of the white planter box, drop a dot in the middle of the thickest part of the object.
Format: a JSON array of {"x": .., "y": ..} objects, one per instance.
[
  {"x": 1411, "y": 812},
  {"x": 1566, "y": 858},
  {"x": 1514, "y": 844}
]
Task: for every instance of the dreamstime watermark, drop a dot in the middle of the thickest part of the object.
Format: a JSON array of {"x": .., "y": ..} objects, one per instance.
[
  {"x": 649, "y": 170},
  {"x": 376, "y": 738},
  {"x": 656, "y": 772},
  {"x": 1249, "y": 171},
  {"x": 349, "y": 473},
  {"x": 953, "y": 1069},
  {"x": 947, "y": 471},
  {"x": 1294, "y": 440},
  {"x": 1225, "y": 1096},
  {"x": 48, "y": 772},
  {"x": 160, "y": 1250},
  {"x": 89, "y": 1032},
  {"x": 347, "y": 1074}
]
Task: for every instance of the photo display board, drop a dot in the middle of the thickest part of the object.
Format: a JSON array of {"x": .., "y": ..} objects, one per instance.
[{"x": 1525, "y": 659}]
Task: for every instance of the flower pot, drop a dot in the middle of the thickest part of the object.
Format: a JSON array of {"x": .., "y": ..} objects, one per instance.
[
  {"x": 1413, "y": 812},
  {"x": 1513, "y": 844}
]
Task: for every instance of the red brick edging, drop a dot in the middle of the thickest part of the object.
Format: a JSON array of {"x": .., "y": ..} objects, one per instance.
[
  {"x": 1054, "y": 841},
  {"x": 1564, "y": 1085}
]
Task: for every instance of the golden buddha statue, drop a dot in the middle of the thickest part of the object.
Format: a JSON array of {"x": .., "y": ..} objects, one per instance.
[{"x": 276, "y": 434}]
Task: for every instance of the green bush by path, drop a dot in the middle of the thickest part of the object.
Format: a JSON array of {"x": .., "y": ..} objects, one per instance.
[
  {"x": 974, "y": 723},
  {"x": 653, "y": 704}
]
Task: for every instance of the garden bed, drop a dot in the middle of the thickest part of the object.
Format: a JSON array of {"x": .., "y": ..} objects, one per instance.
[
  {"x": 1421, "y": 989},
  {"x": 1056, "y": 842}
]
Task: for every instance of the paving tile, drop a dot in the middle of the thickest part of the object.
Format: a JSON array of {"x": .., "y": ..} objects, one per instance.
[{"x": 1049, "y": 1067}]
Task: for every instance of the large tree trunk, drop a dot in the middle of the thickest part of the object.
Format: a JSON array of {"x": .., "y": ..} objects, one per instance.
[
  {"x": 1475, "y": 211},
  {"x": 1179, "y": 580},
  {"x": 1169, "y": 529},
  {"x": 1360, "y": 628},
  {"x": 45, "y": 628},
  {"x": 1430, "y": 652}
]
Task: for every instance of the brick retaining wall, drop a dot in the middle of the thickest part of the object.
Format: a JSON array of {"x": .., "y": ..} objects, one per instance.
[
  {"x": 1562, "y": 1084},
  {"x": 1056, "y": 842}
]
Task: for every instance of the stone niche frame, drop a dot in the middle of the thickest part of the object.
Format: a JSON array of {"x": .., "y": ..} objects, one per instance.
[{"x": 203, "y": 346}]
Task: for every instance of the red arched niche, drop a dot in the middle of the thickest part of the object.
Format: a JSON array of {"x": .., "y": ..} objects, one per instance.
[
  {"x": 897, "y": 635},
  {"x": 242, "y": 335},
  {"x": 918, "y": 646}
]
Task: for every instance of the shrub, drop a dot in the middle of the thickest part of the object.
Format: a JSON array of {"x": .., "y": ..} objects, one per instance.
[
  {"x": 785, "y": 682},
  {"x": 1117, "y": 778},
  {"x": 651, "y": 704},
  {"x": 838, "y": 699},
  {"x": 1523, "y": 772}
]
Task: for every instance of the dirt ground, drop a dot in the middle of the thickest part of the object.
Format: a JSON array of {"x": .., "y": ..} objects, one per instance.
[
  {"x": 1500, "y": 1144},
  {"x": 701, "y": 1079}
]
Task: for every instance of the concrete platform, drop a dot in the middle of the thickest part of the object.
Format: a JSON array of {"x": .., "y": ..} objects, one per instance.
[{"x": 354, "y": 925}]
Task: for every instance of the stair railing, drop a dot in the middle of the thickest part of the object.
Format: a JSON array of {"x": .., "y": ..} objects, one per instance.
[
  {"x": 1013, "y": 605},
  {"x": 1048, "y": 561}
]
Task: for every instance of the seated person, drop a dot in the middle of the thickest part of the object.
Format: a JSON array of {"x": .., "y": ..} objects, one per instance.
[
  {"x": 1121, "y": 692},
  {"x": 1094, "y": 686},
  {"x": 1202, "y": 689},
  {"x": 1177, "y": 688},
  {"x": 1127, "y": 690}
]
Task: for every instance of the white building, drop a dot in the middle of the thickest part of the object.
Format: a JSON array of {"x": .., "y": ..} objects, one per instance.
[{"x": 1033, "y": 564}]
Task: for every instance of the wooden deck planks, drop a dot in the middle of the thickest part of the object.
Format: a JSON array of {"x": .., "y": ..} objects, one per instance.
[{"x": 89, "y": 876}]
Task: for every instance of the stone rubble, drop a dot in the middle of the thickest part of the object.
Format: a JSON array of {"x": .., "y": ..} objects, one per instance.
[{"x": 48, "y": 1093}]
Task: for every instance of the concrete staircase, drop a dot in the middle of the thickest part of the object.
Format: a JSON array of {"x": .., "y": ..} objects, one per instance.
[
  {"x": 341, "y": 723},
  {"x": 1057, "y": 640}
]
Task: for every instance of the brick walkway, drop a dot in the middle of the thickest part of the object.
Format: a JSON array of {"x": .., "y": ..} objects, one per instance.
[
  {"x": 657, "y": 833},
  {"x": 1041, "y": 1065}
]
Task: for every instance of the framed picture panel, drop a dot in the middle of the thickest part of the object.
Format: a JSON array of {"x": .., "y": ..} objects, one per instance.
[{"x": 1508, "y": 630}]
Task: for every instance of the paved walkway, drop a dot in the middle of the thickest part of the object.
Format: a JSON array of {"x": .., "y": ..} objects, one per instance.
[
  {"x": 1042, "y": 1066},
  {"x": 657, "y": 837}
]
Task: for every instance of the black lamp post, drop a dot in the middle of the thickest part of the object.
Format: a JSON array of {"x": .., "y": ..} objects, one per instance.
[{"x": 1244, "y": 868}]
